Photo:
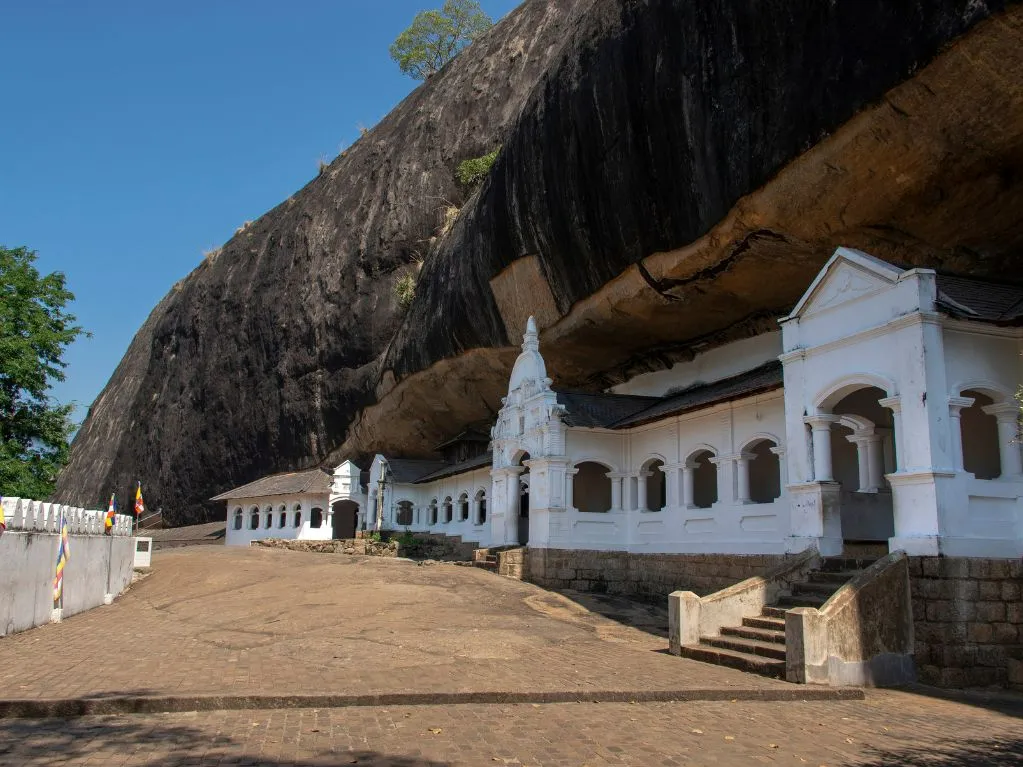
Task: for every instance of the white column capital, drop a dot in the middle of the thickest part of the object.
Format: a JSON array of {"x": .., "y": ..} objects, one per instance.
[
  {"x": 1005, "y": 412},
  {"x": 821, "y": 421},
  {"x": 892, "y": 403},
  {"x": 956, "y": 404}
]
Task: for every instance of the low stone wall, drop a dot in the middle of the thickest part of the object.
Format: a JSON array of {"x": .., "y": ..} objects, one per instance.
[
  {"x": 647, "y": 576},
  {"x": 968, "y": 621},
  {"x": 362, "y": 546}
]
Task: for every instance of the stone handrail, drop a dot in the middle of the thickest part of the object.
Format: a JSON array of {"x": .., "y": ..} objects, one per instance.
[
  {"x": 691, "y": 616},
  {"x": 863, "y": 635},
  {"x": 25, "y": 514}
]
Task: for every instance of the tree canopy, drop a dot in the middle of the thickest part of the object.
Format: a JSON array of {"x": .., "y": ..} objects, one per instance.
[
  {"x": 35, "y": 330},
  {"x": 436, "y": 37}
]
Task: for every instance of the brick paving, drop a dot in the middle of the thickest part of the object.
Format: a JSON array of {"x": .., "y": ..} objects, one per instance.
[
  {"x": 219, "y": 621},
  {"x": 888, "y": 728}
]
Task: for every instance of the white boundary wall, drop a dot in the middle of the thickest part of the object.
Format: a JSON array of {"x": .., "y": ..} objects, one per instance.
[{"x": 99, "y": 568}]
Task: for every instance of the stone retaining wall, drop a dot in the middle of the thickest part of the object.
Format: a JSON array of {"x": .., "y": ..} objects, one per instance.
[
  {"x": 968, "y": 621},
  {"x": 648, "y": 576},
  {"x": 344, "y": 546}
]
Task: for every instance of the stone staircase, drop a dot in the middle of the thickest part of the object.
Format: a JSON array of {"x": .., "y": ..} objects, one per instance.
[
  {"x": 758, "y": 645},
  {"x": 503, "y": 560}
]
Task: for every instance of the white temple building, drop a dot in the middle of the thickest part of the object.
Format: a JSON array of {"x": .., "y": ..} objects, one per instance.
[{"x": 883, "y": 410}]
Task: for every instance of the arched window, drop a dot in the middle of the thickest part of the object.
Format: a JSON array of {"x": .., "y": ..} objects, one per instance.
[
  {"x": 433, "y": 512},
  {"x": 705, "y": 479},
  {"x": 656, "y": 488},
  {"x": 404, "y": 516},
  {"x": 463, "y": 507},
  {"x": 283, "y": 517},
  {"x": 238, "y": 522},
  {"x": 254, "y": 519},
  {"x": 591, "y": 487},
  {"x": 298, "y": 514},
  {"x": 764, "y": 472},
  {"x": 316, "y": 517},
  {"x": 981, "y": 454},
  {"x": 481, "y": 507},
  {"x": 269, "y": 517},
  {"x": 447, "y": 509}
]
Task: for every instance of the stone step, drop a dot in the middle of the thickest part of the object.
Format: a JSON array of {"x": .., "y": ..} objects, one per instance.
[
  {"x": 839, "y": 577},
  {"x": 835, "y": 564},
  {"x": 811, "y": 588},
  {"x": 754, "y": 664},
  {"x": 801, "y": 600},
  {"x": 749, "y": 632},
  {"x": 748, "y": 646},
  {"x": 773, "y": 624},
  {"x": 774, "y": 612}
]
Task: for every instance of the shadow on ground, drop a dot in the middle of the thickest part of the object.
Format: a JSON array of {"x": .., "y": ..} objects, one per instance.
[
  {"x": 117, "y": 740},
  {"x": 649, "y": 617},
  {"x": 995, "y": 752}
]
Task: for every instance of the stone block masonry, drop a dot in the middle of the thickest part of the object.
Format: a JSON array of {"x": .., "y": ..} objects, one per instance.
[
  {"x": 968, "y": 621},
  {"x": 645, "y": 576}
]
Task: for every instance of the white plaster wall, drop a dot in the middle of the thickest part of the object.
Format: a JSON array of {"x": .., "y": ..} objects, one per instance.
[
  {"x": 420, "y": 495},
  {"x": 981, "y": 357},
  {"x": 714, "y": 365},
  {"x": 99, "y": 565},
  {"x": 726, "y": 527},
  {"x": 305, "y": 531}
]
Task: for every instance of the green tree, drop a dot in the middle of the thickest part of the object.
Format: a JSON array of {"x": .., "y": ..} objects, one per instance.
[
  {"x": 436, "y": 37},
  {"x": 35, "y": 330}
]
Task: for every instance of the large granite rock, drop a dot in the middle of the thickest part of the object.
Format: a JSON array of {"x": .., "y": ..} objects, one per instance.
[{"x": 672, "y": 176}]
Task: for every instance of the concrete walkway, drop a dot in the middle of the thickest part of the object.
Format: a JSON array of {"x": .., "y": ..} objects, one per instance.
[{"x": 252, "y": 627}]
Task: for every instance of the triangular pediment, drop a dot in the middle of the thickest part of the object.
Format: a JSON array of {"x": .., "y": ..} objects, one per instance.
[{"x": 848, "y": 275}]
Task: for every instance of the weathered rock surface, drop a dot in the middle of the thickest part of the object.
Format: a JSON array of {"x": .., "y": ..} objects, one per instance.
[{"x": 672, "y": 175}]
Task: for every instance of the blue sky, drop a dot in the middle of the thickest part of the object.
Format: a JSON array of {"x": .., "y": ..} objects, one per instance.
[{"x": 135, "y": 135}]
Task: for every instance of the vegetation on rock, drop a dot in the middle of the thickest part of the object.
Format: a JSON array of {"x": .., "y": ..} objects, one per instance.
[
  {"x": 35, "y": 331},
  {"x": 435, "y": 37},
  {"x": 472, "y": 172}
]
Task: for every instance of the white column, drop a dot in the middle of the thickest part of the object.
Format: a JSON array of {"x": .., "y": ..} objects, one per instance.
[
  {"x": 616, "y": 490},
  {"x": 726, "y": 488},
  {"x": 670, "y": 472},
  {"x": 570, "y": 488},
  {"x": 895, "y": 405},
  {"x": 783, "y": 468},
  {"x": 875, "y": 462},
  {"x": 955, "y": 410},
  {"x": 687, "y": 485},
  {"x": 641, "y": 479},
  {"x": 821, "y": 428},
  {"x": 862, "y": 461},
  {"x": 742, "y": 476},
  {"x": 1007, "y": 414}
]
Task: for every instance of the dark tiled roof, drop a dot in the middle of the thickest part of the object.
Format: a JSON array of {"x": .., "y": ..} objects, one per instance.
[
  {"x": 972, "y": 299},
  {"x": 201, "y": 532},
  {"x": 601, "y": 410},
  {"x": 407, "y": 470},
  {"x": 764, "y": 378},
  {"x": 469, "y": 435},
  {"x": 452, "y": 469},
  {"x": 291, "y": 483}
]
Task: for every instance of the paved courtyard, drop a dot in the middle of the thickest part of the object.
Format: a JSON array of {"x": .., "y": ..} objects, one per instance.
[
  {"x": 232, "y": 621},
  {"x": 273, "y": 624}
]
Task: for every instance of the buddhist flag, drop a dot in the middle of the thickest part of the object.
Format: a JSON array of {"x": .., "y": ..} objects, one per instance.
[
  {"x": 63, "y": 555},
  {"x": 111, "y": 513},
  {"x": 3, "y": 522},
  {"x": 140, "y": 507}
]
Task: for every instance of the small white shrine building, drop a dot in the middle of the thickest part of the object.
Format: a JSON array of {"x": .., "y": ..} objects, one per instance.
[{"x": 292, "y": 505}]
